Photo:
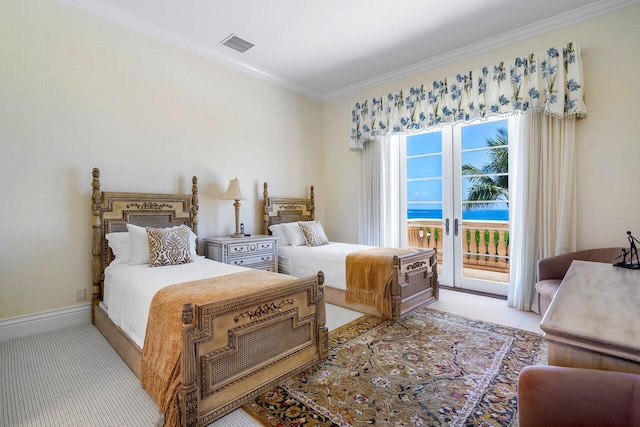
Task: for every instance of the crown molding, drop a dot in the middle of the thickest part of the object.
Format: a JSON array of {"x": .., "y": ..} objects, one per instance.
[
  {"x": 576, "y": 16},
  {"x": 117, "y": 16},
  {"x": 109, "y": 13}
]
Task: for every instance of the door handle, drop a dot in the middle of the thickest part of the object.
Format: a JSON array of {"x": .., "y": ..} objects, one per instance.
[
  {"x": 455, "y": 227},
  {"x": 446, "y": 226}
]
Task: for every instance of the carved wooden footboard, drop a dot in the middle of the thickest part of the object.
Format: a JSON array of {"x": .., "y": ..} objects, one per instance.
[
  {"x": 415, "y": 279},
  {"x": 232, "y": 349},
  {"x": 415, "y": 283}
]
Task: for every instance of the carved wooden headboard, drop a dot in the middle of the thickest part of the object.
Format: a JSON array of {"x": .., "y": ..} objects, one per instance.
[
  {"x": 113, "y": 210},
  {"x": 285, "y": 209}
]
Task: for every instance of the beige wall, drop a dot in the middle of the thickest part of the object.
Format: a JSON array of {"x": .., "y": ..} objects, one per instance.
[
  {"x": 607, "y": 141},
  {"x": 78, "y": 92}
]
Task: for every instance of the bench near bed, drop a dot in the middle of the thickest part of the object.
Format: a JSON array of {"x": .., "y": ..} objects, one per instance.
[
  {"x": 216, "y": 375},
  {"x": 413, "y": 284}
]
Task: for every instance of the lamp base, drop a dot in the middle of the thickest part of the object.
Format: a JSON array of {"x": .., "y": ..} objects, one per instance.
[{"x": 237, "y": 235}]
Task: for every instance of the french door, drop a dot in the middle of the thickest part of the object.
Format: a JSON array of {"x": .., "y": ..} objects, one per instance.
[{"x": 457, "y": 200}]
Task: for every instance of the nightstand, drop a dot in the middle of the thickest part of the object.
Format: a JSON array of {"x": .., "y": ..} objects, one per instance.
[{"x": 257, "y": 251}]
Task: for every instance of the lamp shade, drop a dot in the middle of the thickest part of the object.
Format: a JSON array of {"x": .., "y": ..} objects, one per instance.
[{"x": 233, "y": 191}]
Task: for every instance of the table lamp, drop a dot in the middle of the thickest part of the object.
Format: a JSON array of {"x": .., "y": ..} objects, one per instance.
[{"x": 233, "y": 193}]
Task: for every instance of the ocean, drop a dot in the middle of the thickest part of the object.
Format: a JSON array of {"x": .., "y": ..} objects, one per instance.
[{"x": 473, "y": 214}]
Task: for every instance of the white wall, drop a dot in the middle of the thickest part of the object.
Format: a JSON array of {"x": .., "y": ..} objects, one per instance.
[
  {"x": 78, "y": 92},
  {"x": 607, "y": 141}
]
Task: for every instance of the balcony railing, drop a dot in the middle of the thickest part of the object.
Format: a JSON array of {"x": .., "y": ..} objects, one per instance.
[{"x": 485, "y": 244}]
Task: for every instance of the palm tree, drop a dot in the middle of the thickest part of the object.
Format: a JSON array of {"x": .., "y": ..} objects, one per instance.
[{"x": 485, "y": 184}]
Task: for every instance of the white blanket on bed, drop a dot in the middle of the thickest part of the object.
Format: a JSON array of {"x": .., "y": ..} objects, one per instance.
[
  {"x": 302, "y": 261},
  {"x": 129, "y": 289}
]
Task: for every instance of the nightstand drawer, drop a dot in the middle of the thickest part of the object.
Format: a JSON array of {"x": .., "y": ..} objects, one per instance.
[
  {"x": 246, "y": 261},
  {"x": 265, "y": 267},
  {"x": 249, "y": 247}
]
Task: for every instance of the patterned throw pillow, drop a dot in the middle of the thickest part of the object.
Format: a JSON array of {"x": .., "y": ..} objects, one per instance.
[
  {"x": 313, "y": 233},
  {"x": 168, "y": 246}
]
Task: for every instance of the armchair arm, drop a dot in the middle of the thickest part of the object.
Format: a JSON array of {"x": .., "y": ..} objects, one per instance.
[{"x": 556, "y": 267}]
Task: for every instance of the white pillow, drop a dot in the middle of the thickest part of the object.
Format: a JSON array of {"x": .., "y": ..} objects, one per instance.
[
  {"x": 313, "y": 233},
  {"x": 294, "y": 234},
  {"x": 140, "y": 244},
  {"x": 278, "y": 231},
  {"x": 120, "y": 245}
]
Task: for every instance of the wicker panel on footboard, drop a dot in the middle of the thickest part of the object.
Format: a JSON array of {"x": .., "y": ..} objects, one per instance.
[{"x": 242, "y": 346}]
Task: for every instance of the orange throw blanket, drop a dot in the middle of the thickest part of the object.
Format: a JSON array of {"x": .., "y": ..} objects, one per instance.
[
  {"x": 369, "y": 275},
  {"x": 160, "y": 366}
]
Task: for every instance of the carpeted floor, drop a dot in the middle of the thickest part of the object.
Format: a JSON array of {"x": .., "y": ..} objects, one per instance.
[
  {"x": 44, "y": 377},
  {"x": 431, "y": 369},
  {"x": 72, "y": 377}
]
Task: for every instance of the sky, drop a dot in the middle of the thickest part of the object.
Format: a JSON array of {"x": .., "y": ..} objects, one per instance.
[{"x": 430, "y": 190}]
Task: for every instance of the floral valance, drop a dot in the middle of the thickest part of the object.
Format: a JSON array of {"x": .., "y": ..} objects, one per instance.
[{"x": 549, "y": 81}]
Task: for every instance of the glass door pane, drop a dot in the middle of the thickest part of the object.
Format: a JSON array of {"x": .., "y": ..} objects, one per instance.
[
  {"x": 482, "y": 206},
  {"x": 427, "y": 170}
]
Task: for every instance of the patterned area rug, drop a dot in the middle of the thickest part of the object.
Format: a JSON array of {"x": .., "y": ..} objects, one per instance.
[{"x": 430, "y": 369}]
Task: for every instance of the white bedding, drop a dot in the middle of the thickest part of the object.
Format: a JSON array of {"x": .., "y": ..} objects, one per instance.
[
  {"x": 302, "y": 261},
  {"x": 129, "y": 289}
]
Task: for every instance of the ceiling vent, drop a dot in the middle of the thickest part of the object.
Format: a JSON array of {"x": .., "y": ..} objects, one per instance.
[{"x": 236, "y": 43}]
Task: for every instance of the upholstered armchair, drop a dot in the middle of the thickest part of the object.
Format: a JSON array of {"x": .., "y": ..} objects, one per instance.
[
  {"x": 551, "y": 271},
  {"x": 559, "y": 396}
]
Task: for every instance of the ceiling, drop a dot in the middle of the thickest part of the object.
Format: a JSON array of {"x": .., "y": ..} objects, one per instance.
[{"x": 329, "y": 48}]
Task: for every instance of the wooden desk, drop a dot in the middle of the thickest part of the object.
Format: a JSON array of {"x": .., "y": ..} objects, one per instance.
[{"x": 594, "y": 319}]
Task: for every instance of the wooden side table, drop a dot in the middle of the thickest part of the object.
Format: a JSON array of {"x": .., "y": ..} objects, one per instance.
[{"x": 257, "y": 251}]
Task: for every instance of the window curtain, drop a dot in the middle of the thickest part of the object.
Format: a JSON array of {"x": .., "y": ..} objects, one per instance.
[
  {"x": 543, "y": 202},
  {"x": 379, "y": 204},
  {"x": 550, "y": 81},
  {"x": 547, "y": 88}
]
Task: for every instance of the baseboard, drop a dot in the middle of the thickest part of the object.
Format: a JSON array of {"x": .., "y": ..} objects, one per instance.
[
  {"x": 31, "y": 324},
  {"x": 468, "y": 291}
]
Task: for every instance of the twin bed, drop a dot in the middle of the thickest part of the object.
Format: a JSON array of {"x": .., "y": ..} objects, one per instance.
[
  {"x": 206, "y": 337},
  {"x": 209, "y": 348},
  {"x": 384, "y": 282}
]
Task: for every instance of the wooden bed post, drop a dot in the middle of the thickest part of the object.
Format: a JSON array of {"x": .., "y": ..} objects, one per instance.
[
  {"x": 96, "y": 242},
  {"x": 312, "y": 208},
  {"x": 396, "y": 301},
  {"x": 323, "y": 332},
  {"x": 187, "y": 392},
  {"x": 194, "y": 208},
  {"x": 265, "y": 210},
  {"x": 434, "y": 271}
]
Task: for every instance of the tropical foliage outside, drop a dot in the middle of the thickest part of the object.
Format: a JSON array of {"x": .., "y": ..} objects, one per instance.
[{"x": 491, "y": 181}]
